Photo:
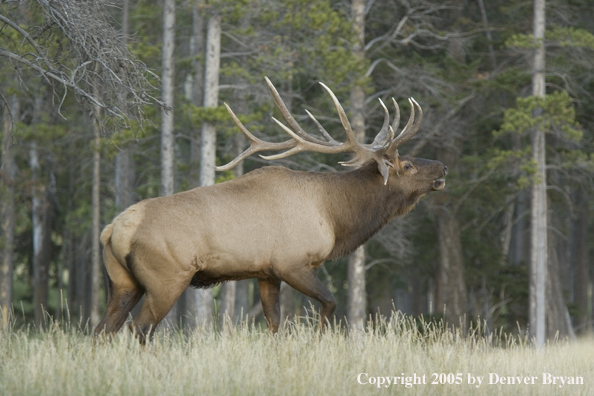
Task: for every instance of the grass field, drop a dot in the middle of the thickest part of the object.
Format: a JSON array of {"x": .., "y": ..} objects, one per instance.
[{"x": 248, "y": 361}]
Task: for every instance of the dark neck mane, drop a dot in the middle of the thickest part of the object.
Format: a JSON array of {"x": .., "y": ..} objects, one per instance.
[{"x": 360, "y": 205}]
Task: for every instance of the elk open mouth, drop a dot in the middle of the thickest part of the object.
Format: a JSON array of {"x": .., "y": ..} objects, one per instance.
[{"x": 438, "y": 184}]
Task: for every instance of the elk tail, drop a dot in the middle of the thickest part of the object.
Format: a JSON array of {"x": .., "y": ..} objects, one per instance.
[
  {"x": 106, "y": 234},
  {"x": 108, "y": 257},
  {"x": 123, "y": 291}
]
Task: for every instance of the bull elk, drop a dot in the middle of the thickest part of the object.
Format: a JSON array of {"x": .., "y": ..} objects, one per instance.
[{"x": 273, "y": 224}]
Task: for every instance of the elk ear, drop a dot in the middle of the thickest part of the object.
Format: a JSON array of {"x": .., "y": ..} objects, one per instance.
[
  {"x": 393, "y": 157},
  {"x": 397, "y": 163},
  {"x": 382, "y": 166}
]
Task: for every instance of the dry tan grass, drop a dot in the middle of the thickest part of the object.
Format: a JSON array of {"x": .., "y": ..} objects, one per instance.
[{"x": 249, "y": 361}]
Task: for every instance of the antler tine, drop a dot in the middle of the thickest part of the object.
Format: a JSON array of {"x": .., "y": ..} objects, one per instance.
[
  {"x": 306, "y": 145},
  {"x": 350, "y": 135},
  {"x": 411, "y": 128},
  {"x": 256, "y": 145},
  {"x": 323, "y": 131},
  {"x": 288, "y": 117},
  {"x": 396, "y": 122},
  {"x": 363, "y": 154},
  {"x": 236, "y": 161},
  {"x": 299, "y": 142},
  {"x": 383, "y": 136},
  {"x": 242, "y": 127}
]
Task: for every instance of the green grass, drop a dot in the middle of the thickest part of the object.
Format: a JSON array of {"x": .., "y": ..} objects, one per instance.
[{"x": 249, "y": 361}]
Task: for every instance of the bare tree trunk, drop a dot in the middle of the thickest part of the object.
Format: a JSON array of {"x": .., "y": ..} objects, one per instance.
[
  {"x": 195, "y": 94},
  {"x": 67, "y": 248},
  {"x": 7, "y": 210},
  {"x": 592, "y": 303},
  {"x": 488, "y": 33},
  {"x": 242, "y": 288},
  {"x": 124, "y": 176},
  {"x": 70, "y": 257},
  {"x": 204, "y": 297},
  {"x": 558, "y": 322},
  {"x": 65, "y": 251},
  {"x": 451, "y": 294},
  {"x": 39, "y": 213},
  {"x": 581, "y": 276},
  {"x": 227, "y": 307},
  {"x": 242, "y": 298},
  {"x": 451, "y": 287},
  {"x": 451, "y": 297},
  {"x": 167, "y": 89},
  {"x": 357, "y": 297},
  {"x": 40, "y": 266},
  {"x": 229, "y": 289},
  {"x": 518, "y": 250},
  {"x": 211, "y": 100},
  {"x": 197, "y": 44},
  {"x": 287, "y": 303},
  {"x": 538, "y": 256},
  {"x": 82, "y": 271},
  {"x": 287, "y": 293},
  {"x": 96, "y": 227},
  {"x": 506, "y": 235},
  {"x": 41, "y": 219},
  {"x": 167, "y": 132},
  {"x": 419, "y": 295},
  {"x": 124, "y": 169}
]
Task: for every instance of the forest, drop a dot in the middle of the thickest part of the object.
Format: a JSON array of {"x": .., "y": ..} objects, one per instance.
[{"x": 107, "y": 103}]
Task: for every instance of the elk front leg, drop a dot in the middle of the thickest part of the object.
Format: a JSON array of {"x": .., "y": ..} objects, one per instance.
[
  {"x": 270, "y": 296},
  {"x": 305, "y": 281}
]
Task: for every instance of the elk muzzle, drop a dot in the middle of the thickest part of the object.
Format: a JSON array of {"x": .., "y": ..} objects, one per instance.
[{"x": 439, "y": 184}]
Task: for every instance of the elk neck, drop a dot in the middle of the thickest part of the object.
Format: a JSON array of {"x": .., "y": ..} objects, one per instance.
[{"x": 359, "y": 205}]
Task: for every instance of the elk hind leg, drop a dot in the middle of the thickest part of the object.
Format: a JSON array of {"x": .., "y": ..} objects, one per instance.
[
  {"x": 305, "y": 281},
  {"x": 123, "y": 294},
  {"x": 157, "y": 303},
  {"x": 270, "y": 296}
]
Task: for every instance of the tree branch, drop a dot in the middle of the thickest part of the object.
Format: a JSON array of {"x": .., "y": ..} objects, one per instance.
[
  {"x": 91, "y": 40},
  {"x": 438, "y": 127},
  {"x": 23, "y": 33}
]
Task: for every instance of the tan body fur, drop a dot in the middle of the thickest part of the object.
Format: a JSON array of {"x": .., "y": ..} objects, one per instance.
[
  {"x": 199, "y": 230},
  {"x": 273, "y": 224}
]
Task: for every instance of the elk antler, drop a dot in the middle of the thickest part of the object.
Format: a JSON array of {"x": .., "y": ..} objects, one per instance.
[
  {"x": 383, "y": 149},
  {"x": 411, "y": 128}
]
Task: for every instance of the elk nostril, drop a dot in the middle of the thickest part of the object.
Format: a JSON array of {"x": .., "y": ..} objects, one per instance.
[{"x": 445, "y": 169}]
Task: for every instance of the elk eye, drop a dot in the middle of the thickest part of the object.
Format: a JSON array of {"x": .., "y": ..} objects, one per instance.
[{"x": 407, "y": 166}]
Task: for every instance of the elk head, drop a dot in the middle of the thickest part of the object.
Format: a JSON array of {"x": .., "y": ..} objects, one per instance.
[{"x": 383, "y": 150}]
